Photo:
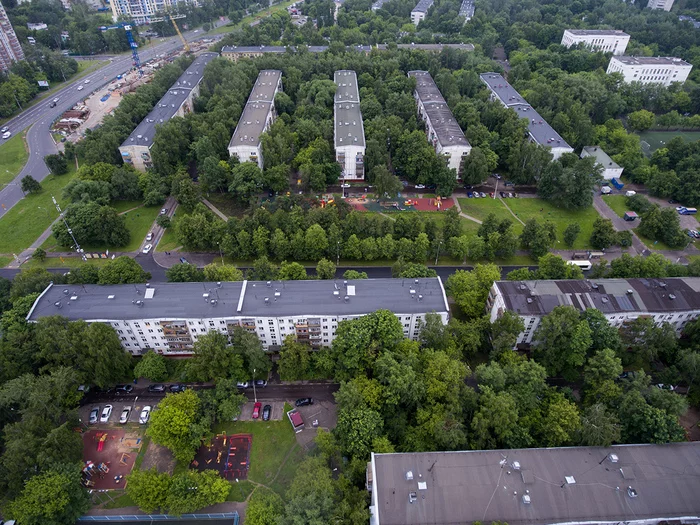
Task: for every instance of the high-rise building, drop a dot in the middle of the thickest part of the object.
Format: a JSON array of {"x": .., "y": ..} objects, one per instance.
[
  {"x": 141, "y": 10},
  {"x": 10, "y": 49},
  {"x": 666, "y": 5}
]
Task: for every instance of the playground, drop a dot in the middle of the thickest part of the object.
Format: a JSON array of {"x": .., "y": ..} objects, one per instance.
[
  {"x": 108, "y": 456},
  {"x": 363, "y": 203},
  {"x": 227, "y": 454}
]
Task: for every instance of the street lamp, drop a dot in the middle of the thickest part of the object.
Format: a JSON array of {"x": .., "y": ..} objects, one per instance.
[
  {"x": 337, "y": 259},
  {"x": 220, "y": 253},
  {"x": 437, "y": 255},
  {"x": 255, "y": 395}
]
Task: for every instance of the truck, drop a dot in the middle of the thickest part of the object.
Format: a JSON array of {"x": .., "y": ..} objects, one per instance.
[{"x": 618, "y": 185}]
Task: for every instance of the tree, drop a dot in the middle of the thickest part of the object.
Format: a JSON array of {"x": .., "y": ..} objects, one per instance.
[
  {"x": 571, "y": 233},
  {"x": 600, "y": 373},
  {"x": 599, "y": 427},
  {"x": 386, "y": 184},
  {"x": 496, "y": 421},
  {"x": 291, "y": 271},
  {"x": 152, "y": 366},
  {"x": 263, "y": 270},
  {"x": 30, "y": 184},
  {"x": 222, "y": 403},
  {"x": 476, "y": 167},
  {"x": 357, "y": 429},
  {"x": 176, "y": 426},
  {"x": 213, "y": 175},
  {"x": 505, "y": 331},
  {"x": 184, "y": 273},
  {"x": 247, "y": 181},
  {"x": 222, "y": 272},
  {"x": 39, "y": 254},
  {"x": 214, "y": 359},
  {"x": 562, "y": 341},
  {"x": 569, "y": 181},
  {"x": 642, "y": 423},
  {"x": 316, "y": 242},
  {"x": 470, "y": 289},
  {"x": 538, "y": 238},
  {"x": 560, "y": 422},
  {"x": 325, "y": 269},
  {"x": 689, "y": 364},
  {"x": 603, "y": 334},
  {"x": 640, "y": 120},
  {"x": 92, "y": 224},
  {"x": 57, "y": 164},
  {"x": 295, "y": 360},
  {"x": 51, "y": 497},
  {"x": 354, "y": 274},
  {"x": 185, "y": 191},
  {"x": 310, "y": 498},
  {"x": 122, "y": 270},
  {"x": 264, "y": 508},
  {"x": 603, "y": 235},
  {"x": 149, "y": 489}
]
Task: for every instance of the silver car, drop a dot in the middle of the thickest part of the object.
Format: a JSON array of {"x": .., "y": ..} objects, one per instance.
[
  {"x": 145, "y": 415},
  {"x": 124, "y": 418},
  {"x": 106, "y": 413}
]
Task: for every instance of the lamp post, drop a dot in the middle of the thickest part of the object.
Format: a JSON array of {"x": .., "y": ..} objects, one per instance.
[
  {"x": 255, "y": 395},
  {"x": 220, "y": 253},
  {"x": 437, "y": 255},
  {"x": 337, "y": 259}
]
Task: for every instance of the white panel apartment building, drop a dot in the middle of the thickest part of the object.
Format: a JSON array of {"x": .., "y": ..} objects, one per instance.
[
  {"x": 169, "y": 317},
  {"x": 444, "y": 133},
  {"x": 421, "y": 9},
  {"x": 141, "y": 10},
  {"x": 348, "y": 130},
  {"x": 650, "y": 70},
  {"x": 606, "y": 40},
  {"x": 611, "y": 169},
  {"x": 258, "y": 115},
  {"x": 10, "y": 48},
  {"x": 675, "y": 300},
  {"x": 539, "y": 129},
  {"x": 177, "y": 102},
  {"x": 666, "y": 5}
]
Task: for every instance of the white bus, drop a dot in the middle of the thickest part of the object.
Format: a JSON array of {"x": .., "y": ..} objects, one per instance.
[{"x": 584, "y": 265}]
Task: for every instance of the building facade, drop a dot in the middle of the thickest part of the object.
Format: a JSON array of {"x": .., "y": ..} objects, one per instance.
[
  {"x": 169, "y": 317},
  {"x": 611, "y": 169},
  {"x": 675, "y": 300},
  {"x": 177, "y": 102},
  {"x": 258, "y": 115},
  {"x": 141, "y": 10},
  {"x": 666, "y": 5},
  {"x": 622, "y": 484},
  {"x": 10, "y": 48},
  {"x": 466, "y": 9},
  {"x": 650, "y": 70},
  {"x": 443, "y": 131},
  {"x": 420, "y": 11},
  {"x": 539, "y": 130},
  {"x": 348, "y": 128},
  {"x": 605, "y": 40}
]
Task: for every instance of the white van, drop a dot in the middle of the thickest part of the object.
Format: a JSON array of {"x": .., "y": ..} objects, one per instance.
[
  {"x": 630, "y": 193},
  {"x": 605, "y": 190}
]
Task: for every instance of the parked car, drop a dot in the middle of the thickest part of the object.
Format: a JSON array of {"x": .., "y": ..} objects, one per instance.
[
  {"x": 420, "y": 186},
  {"x": 405, "y": 183},
  {"x": 503, "y": 195},
  {"x": 302, "y": 402},
  {"x": 157, "y": 388},
  {"x": 149, "y": 237},
  {"x": 256, "y": 410},
  {"x": 476, "y": 194},
  {"x": 267, "y": 411},
  {"x": 693, "y": 234},
  {"x": 183, "y": 260},
  {"x": 106, "y": 413},
  {"x": 672, "y": 201},
  {"x": 470, "y": 194},
  {"x": 483, "y": 195},
  {"x": 164, "y": 211},
  {"x": 4, "y": 129},
  {"x": 87, "y": 80},
  {"x": 260, "y": 383},
  {"x": 124, "y": 418},
  {"x": 147, "y": 248},
  {"x": 510, "y": 195},
  {"x": 491, "y": 194},
  {"x": 94, "y": 414},
  {"x": 177, "y": 388},
  {"x": 145, "y": 415},
  {"x": 345, "y": 185},
  {"x": 123, "y": 389},
  {"x": 666, "y": 387},
  {"x": 242, "y": 384}
]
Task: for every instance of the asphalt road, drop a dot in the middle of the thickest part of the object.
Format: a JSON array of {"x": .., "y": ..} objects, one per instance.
[{"x": 41, "y": 115}]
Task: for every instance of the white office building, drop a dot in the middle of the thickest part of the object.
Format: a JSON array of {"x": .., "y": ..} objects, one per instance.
[
  {"x": 611, "y": 169},
  {"x": 605, "y": 40},
  {"x": 539, "y": 130},
  {"x": 666, "y": 5},
  {"x": 443, "y": 131},
  {"x": 177, "y": 102},
  {"x": 348, "y": 130},
  {"x": 258, "y": 115},
  {"x": 650, "y": 70},
  {"x": 169, "y": 317},
  {"x": 420, "y": 11},
  {"x": 674, "y": 300}
]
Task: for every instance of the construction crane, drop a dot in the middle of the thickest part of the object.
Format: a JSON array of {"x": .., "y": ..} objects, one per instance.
[
  {"x": 132, "y": 43},
  {"x": 177, "y": 29}
]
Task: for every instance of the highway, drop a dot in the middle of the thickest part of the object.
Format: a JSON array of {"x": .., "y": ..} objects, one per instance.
[{"x": 41, "y": 115}]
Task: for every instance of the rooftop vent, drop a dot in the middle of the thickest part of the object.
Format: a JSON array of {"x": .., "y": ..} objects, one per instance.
[
  {"x": 409, "y": 475},
  {"x": 347, "y": 299},
  {"x": 662, "y": 285},
  {"x": 65, "y": 291},
  {"x": 110, "y": 297},
  {"x": 570, "y": 480},
  {"x": 57, "y": 304},
  {"x": 594, "y": 286},
  {"x": 529, "y": 300},
  {"x": 630, "y": 292},
  {"x": 73, "y": 297},
  {"x": 526, "y": 499},
  {"x": 267, "y": 301},
  {"x": 613, "y": 458},
  {"x": 671, "y": 296},
  {"x": 412, "y": 497},
  {"x": 605, "y": 300},
  {"x": 422, "y": 485},
  {"x": 336, "y": 293},
  {"x": 632, "y": 493},
  {"x": 205, "y": 295},
  {"x": 515, "y": 465}
]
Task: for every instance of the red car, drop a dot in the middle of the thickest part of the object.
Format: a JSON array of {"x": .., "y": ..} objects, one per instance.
[{"x": 256, "y": 410}]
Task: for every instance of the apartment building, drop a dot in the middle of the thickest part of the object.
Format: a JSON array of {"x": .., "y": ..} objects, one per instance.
[
  {"x": 258, "y": 115},
  {"x": 348, "y": 130},
  {"x": 10, "y": 48},
  {"x": 539, "y": 130},
  {"x": 675, "y": 300},
  {"x": 442, "y": 128},
  {"x": 420, "y": 11},
  {"x": 605, "y": 40},
  {"x": 666, "y": 5},
  {"x": 650, "y": 70},
  {"x": 630, "y": 484},
  {"x": 611, "y": 169},
  {"x": 141, "y": 10},
  {"x": 466, "y": 10},
  {"x": 169, "y": 317},
  {"x": 177, "y": 102}
]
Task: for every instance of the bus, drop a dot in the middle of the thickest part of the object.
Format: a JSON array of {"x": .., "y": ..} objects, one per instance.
[
  {"x": 584, "y": 265},
  {"x": 687, "y": 211}
]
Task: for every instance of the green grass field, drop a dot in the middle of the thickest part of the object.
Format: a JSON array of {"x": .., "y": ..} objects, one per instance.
[
  {"x": 122, "y": 206},
  {"x": 13, "y": 157},
  {"x": 248, "y": 19},
  {"x": 67, "y": 262},
  {"x": 28, "y": 219},
  {"x": 168, "y": 241},
  {"x": 651, "y": 244},
  {"x": 617, "y": 203},
  {"x": 658, "y": 139}
]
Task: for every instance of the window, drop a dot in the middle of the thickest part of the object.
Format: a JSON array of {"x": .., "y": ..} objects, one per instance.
[
  {"x": 260, "y": 321},
  {"x": 140, "y": 332},
  {"x": 150, "y": 330},
  {"x": 127, "y": 344},
  {"x": 120, "y": 331},
  {"x": 123, "y": 338},
  {"x": 147, "y": 324},
  {"x": 133, "y": 338},
  {"x": 160, "y": 330}
]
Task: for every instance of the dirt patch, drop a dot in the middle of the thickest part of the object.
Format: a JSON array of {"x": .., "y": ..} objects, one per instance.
[
  {"x": 108, "y": 457},
  {"x": 229, "y": 455},
  {"x": 159, "y": 457},
  {"x": 690, "y": 421}
]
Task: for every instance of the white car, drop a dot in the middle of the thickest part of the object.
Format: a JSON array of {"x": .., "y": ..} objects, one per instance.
[
  {"x": 145, "y": 415},
  {"x": 124, "y": 418},
  {"x": 106, "y": 412},
  {"x": 147, "y": 248},
  {"x": 80, "y": 88},
  {"x": 4, "y": 129},
  {"x": 87, "y": 81},
  {"x": 345, "y": 185},
  {"x": 149, "y": 237},
  {"x": 6, "y": 135},
  {"x": 476, "y": 194},
  {"x": 420, "y": 186}
]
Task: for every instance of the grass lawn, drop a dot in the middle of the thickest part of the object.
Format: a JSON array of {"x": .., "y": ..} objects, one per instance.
[
  {"x": 248, "y": 19},
  {"x": 66, "y": 262},
  {"x": 4, "y": 261},
  {"x": 119, "y": 502},
  {"x": 617, "y": 203},
  {"x": 651, "y": 244},
  {"x": 13, "y": 157},
  {"x": 168, "y": 241},
  {"x": 122, "y": 206},
  {"x": 240, "y": 490},
  {"x": 226, "y": 204},
  {"x": 481, "y": 208},
  {"x": 23, "y": 224}
]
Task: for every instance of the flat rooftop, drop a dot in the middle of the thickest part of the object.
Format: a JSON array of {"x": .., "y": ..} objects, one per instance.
[
  {"x": 601, "y": 157},
  {"x": 539, "y": 129},
  {"x": 422, "y": 6},
  {"x": 446, "y": 127},
  {"x": 171, "y": 102},
  {"x": 597, "y": 32},
  {"x": 252, "y": 122},
  {"x": 320, "y": 49},
  {"x": 564, "y": 485},
  {"x": 607, "y": 295},
  {"x": 349, "y": 129},
  {"x": 175, "y": 301},
  {"x": 651, "y": 61}
]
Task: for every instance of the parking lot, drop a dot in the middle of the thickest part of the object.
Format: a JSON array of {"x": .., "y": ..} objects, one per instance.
[
  {"x": 276, "y": 414},
  {"x": 325, "y": 413},
  {"x": 117, "y": 407}
]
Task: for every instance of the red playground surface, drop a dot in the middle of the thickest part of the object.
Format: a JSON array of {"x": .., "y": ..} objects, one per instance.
[
  {"x": 229, "y": 455},
  {"x": 400, "y": 204},
  {"x": 108, "y": 456}
]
